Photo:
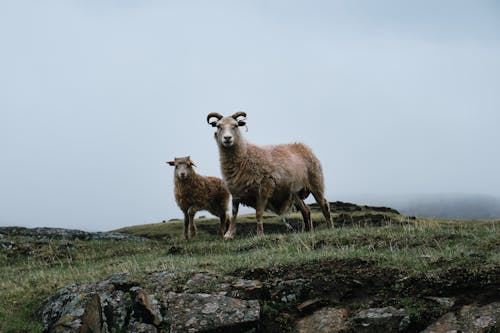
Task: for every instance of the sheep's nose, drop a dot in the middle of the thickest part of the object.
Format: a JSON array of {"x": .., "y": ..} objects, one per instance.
[{"x": 227, "y": 137}]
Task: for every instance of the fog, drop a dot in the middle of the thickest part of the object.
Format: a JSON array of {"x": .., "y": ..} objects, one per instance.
[{"x": 395, "y": 98}]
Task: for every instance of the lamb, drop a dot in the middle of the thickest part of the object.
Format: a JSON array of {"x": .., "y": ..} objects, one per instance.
[
  {"x": 274, "y": 177},
  {"x": 194, "y": 192}
]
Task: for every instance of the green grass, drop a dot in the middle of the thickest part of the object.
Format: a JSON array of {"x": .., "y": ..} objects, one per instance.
[{"x": 421, "y": 246}]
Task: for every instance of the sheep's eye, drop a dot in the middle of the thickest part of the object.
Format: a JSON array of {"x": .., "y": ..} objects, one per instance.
[{"x": 177, "y": 166}]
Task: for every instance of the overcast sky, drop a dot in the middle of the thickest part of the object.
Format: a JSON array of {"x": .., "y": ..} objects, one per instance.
[{"x": 394, "y": 97}]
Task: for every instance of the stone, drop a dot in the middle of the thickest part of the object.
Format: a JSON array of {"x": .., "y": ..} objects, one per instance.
[
  {"x": 375, "y": 320},
  {"x": 325, "y": 320},
  {"x": 6, "y": 244},
  {"x": 445, "y": 302},
  {"x": 246, "y": 289},
  {"x": 141, "y": 328},
  {"x": 202, "y": 312},
  {"x": 81, "y": 313},
  {"x": 289, "y": 291},
  {"x": 119, "y": 304},
  {"x": 146, "y": 307},
  {"x": 471, "y": 318},
  {"x": 68, "y": 234}
]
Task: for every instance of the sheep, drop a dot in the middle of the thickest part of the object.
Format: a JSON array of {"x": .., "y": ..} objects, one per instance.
[
  {"x": 274, "y": 177},
  {"x": 194, "y": 192}
]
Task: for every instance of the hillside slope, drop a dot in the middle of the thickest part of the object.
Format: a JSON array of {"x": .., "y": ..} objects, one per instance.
[{"x": 414, "y": 271}]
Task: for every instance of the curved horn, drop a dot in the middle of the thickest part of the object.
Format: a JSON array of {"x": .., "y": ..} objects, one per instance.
[
  {"x": 214, "y": 115},
  {"x": 241, "y": 122},
  {"x": 239, "y": 114}
]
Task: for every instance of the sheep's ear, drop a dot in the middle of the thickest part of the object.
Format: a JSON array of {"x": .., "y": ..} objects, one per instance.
[
  {"x": 172, "y": 163},
  {"x": 191, "y": 161}
]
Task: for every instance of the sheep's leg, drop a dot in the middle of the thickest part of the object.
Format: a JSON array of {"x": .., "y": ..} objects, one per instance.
[
  {"x": 192, "y": 226},
  {"x": 186, "y": 226},
  {"x": 306, "y": 214},
  {"x": 224, "y": 223},
  {"x": 325, "y": 207},
  {"x": 259, "y": 213},
  {"x": 232, "y": 225}
]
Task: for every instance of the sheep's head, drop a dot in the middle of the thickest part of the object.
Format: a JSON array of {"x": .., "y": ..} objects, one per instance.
[
  {"x": 183, "y": 167},
  {"x": 228, "y": 132}
]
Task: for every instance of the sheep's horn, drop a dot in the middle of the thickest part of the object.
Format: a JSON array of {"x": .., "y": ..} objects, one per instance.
[
  {"x": 242, "y": 121},
  {"x": 239, "y": 114},
  {"x": 214, "y": 115}
]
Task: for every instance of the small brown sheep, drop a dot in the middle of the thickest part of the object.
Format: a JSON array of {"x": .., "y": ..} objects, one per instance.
[
  {"x": 194, "y": 192},
  {"x": 274, "y": 177}
]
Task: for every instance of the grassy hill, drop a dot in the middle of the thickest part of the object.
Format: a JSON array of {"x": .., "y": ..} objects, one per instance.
[{"x": 415, "y": 248}]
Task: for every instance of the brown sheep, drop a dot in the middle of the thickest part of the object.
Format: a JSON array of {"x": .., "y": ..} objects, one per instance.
[
  {"x": 274, "y": 177},
  {"x": 194, "y": 192}
]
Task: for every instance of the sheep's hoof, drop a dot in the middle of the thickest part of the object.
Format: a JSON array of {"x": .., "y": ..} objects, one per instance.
[{"x": 228, "y": 236}]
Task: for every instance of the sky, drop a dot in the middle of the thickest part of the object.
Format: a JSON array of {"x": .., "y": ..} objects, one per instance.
[{"x": 395, "y": 98}]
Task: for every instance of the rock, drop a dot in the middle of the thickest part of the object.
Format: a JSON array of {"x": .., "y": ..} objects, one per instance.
[
  {"x": 445, "y": 302},
  {"x": 339, "y": 206},
  {"x": 205, "y": 312},
  {"x": 388, "y": 319},
  {"x": 470, "y": 318},
  {"x": 203, "y": 282},
  {"x": 116, "y": 311},
  {"x": 141, "y": 328},
  {"x": 6, "y": 244},
  {"x": 224, "y": 285},
  {"x": 325, "y": 320},
  {"x": 72, "y": 311},
  {"x": 120, "y": 304},
  {"x": 247, "y": 289},
  {"x": 364, "y": 219},
  {"x": 146, "y": 308},
  {"x": 69, "y": 234},
  {"x": 289, "y": 291}
]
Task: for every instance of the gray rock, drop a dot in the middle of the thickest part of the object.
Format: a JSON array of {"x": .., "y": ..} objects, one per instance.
[
  {"x": 203, "y": 282},
  {"x": 247, "y": 289},
  {"x": 224, "y": 285},
  {"x": 205, "y": 312},
  {"x": 445, "y": 302},
  {"x": 72, "y": 313},
  {"x": 388, "y": 319},
  {"x": 146, "y": 308},
  {"x": 289, "y": 291},
  {"x": 325, "y": 320},
  {"x": 470, "y": 318},
  {"x": 141, "y": 328},
  {"x": 69, "y": 234},
  {"x": 120, "y": 304},
  {"x": 6, "y": 244}
]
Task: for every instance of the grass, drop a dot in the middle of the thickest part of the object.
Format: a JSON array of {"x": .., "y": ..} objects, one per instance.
[{"x": 32, "y": 272}]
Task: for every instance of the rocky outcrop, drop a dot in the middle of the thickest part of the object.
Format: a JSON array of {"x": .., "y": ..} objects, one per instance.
[
  {"x": 205, "y": 302},
  {"x": 325, "y": 320},
  {"x": 346, "y": 207},
  {"x": 470, "y": 318},
  {"x": 67, "y": 234},
  {"x": 380, "y": 320},
  {"x": 158, "y": 304}
]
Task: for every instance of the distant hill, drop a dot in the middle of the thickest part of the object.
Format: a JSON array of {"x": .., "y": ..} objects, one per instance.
[{"x": 464, "y": 207}]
